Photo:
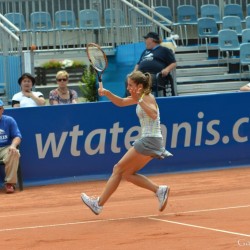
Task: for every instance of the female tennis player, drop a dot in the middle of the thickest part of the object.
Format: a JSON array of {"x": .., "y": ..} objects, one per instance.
[{"x": 149, "y": 146}]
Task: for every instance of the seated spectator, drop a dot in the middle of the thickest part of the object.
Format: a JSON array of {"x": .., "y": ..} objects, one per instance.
[
  {"x": 62, "y": 94},
  {"x": 159, "y": 61},
  {"x": 9, "y": 140},
  {"x": 27, "y": 97},
  {"x": 245, "y": 87}
]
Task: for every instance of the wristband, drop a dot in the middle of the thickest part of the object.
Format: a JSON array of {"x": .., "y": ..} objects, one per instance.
[{"x": 141, "y": 99}]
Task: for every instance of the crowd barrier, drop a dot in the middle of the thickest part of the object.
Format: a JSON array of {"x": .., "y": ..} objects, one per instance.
[{"x": 68, "y": 143}]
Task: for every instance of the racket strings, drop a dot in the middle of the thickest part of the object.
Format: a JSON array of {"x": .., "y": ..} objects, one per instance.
[{"x": 97, "y": 58}]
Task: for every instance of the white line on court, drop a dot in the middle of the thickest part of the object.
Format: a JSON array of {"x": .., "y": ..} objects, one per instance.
[
  {"x": 208, "y": 210},
  {"x": 128, "y": 218},
  {"x": 117, "y": 205},
  {"x": 200, "y": 227}
]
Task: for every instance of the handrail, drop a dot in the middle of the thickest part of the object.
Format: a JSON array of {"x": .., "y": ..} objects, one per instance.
[
  {"x": 8, "y": 30},
  {"x": 149, "y": 17},
  {"x": 154, "y": 12}
]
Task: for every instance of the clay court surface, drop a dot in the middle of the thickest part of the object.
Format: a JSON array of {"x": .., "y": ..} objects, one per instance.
[{"x": 206, "y": 210}]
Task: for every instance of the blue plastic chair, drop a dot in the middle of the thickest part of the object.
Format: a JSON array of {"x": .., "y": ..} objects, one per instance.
[
  {"x": 246, "y": 36},
  {"x": 211, "y": 10},
  {"x": 65, "y": 20},
  {"x": 165, "y": 11},
  {"x": 186, "y": 15},
  {"x": 207, "y": 28},
  {"x": 111, "y": 20},
  {"x": 138, "y": 19},
  {"x": 233, "y": 23},
  {"x": 228, "y": 42},
  {"x": 248, "y": 10},
  {"x": 18, "y": 20},
  {"x": 89, "y": 22},
  {"x": 244, "y": 55},
  {"x": 40, "y": 23},
  {"x": 247, "y": 22},
  {"x": 233, "y": 10},
  {"x": 89, "y": 19}
]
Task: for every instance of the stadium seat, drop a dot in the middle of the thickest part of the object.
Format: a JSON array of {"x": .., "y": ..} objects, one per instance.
[
  {"x": 228, "y": 42},
  {"x": 18, "y": 20},
  {"x": 165, "y": 11},
  {"x": 65, "y": 20},
  {"x": 186, "y": 15},
  {"x": 244, "y": 56},
  {"x": 89, "y": 23},
  {"x": 246, "y": 36},
  {"x": 233, "y": 10},
  {"x": 248, "y": 10},
  {"x": 40, "y": 23},
  {"x": 207, "y": 29},
  {"x": 247, "y": 22},
  {"x": 233, "y": 23},
  {"x": 211, "y": 10}
]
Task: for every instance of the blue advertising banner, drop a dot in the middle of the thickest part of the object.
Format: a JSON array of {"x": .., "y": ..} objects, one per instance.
[{"x": 84, "y": 141}]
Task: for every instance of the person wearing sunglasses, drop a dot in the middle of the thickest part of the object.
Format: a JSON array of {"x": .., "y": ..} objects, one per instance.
[
  {"x": 27, "y": 97},
  {"x": 62, "y": 94}
]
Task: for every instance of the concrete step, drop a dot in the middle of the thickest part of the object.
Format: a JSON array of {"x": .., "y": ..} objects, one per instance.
[
  {"x": 210, "y": 78},
  {"x": 210, "y": 87},
  {"x": 184, "y": 72},
  {"x": 190, "y": 56}
]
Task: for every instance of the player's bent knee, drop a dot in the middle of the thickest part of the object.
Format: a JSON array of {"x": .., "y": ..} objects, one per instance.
[{"x": 117, "y": 169}]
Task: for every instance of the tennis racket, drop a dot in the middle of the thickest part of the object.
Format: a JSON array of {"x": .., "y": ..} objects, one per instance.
[{"x": 98, "y": 60}]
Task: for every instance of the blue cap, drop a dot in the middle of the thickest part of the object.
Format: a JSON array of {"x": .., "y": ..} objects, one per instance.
[{"x": 1, "y": 103}]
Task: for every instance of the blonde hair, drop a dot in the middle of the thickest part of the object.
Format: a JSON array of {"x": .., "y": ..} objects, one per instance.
[
  {"x": 142, "y": 78},
  {"x": 62, "y": 73}
]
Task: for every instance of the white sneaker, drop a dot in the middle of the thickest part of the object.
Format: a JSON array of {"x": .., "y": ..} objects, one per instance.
[
  {"x": 165, "y": 154},
  {"x": 92, "y": 203},
  {"x": 162, "y": 194}
]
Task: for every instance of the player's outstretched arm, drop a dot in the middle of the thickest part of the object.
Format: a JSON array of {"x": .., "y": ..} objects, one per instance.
[{"x": 117, "y": 100}]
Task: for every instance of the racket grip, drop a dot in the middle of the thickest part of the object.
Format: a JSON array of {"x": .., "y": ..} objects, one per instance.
[{"x": 100, "y": 85}]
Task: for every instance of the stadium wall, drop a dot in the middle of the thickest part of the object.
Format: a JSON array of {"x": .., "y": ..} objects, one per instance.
[{"x": 69, "y": 143}]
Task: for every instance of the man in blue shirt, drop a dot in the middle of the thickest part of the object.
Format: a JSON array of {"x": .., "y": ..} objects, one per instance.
[
  {"x": 157, "y": 59},
  {"x": 10, "y": 138}
]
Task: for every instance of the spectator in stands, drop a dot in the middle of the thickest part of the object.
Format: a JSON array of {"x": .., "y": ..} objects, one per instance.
[
  {"x": 9, "y": 140},
  {"x": 27, "y": 97},
  {"x": 62, "y": 94},
  {"x": 245, "y": 87},
  {"x": 157, "y": 59}
]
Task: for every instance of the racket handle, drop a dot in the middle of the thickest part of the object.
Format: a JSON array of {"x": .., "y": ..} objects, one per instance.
[{"x": 100, "y": 85}]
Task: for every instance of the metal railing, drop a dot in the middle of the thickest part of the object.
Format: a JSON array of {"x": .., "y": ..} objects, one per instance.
[
  {"x": 10, "y": 59},
  {"x": 114, "y": 35}
]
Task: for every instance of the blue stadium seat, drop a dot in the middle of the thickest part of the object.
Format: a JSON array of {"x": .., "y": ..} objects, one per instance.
[
  {"x": 247, "y": 22},
  {"x": 228, "y": 41},
  {"x": 186, "y": 15},
  {"x": 65, "y": 20},
  {"x": 40, "y": 23},
  {"x": 244, "y": 56},
  {"x": 233, "y": 23},
  {"x": 207, "y": 28},
  {"x": 233, "y": 10},
  {"x": 166, "y": 12},
  {"x": 89, "y": 23},
  {"x": 246, "y": 36},
  {"x": 211, "y": 10}
]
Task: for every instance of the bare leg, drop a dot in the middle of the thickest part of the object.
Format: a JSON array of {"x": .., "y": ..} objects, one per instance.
[
  {"x": 110, "y": 187},
  {"x": 142, "y": 181},
  {"x": 130, "y": 163}
]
